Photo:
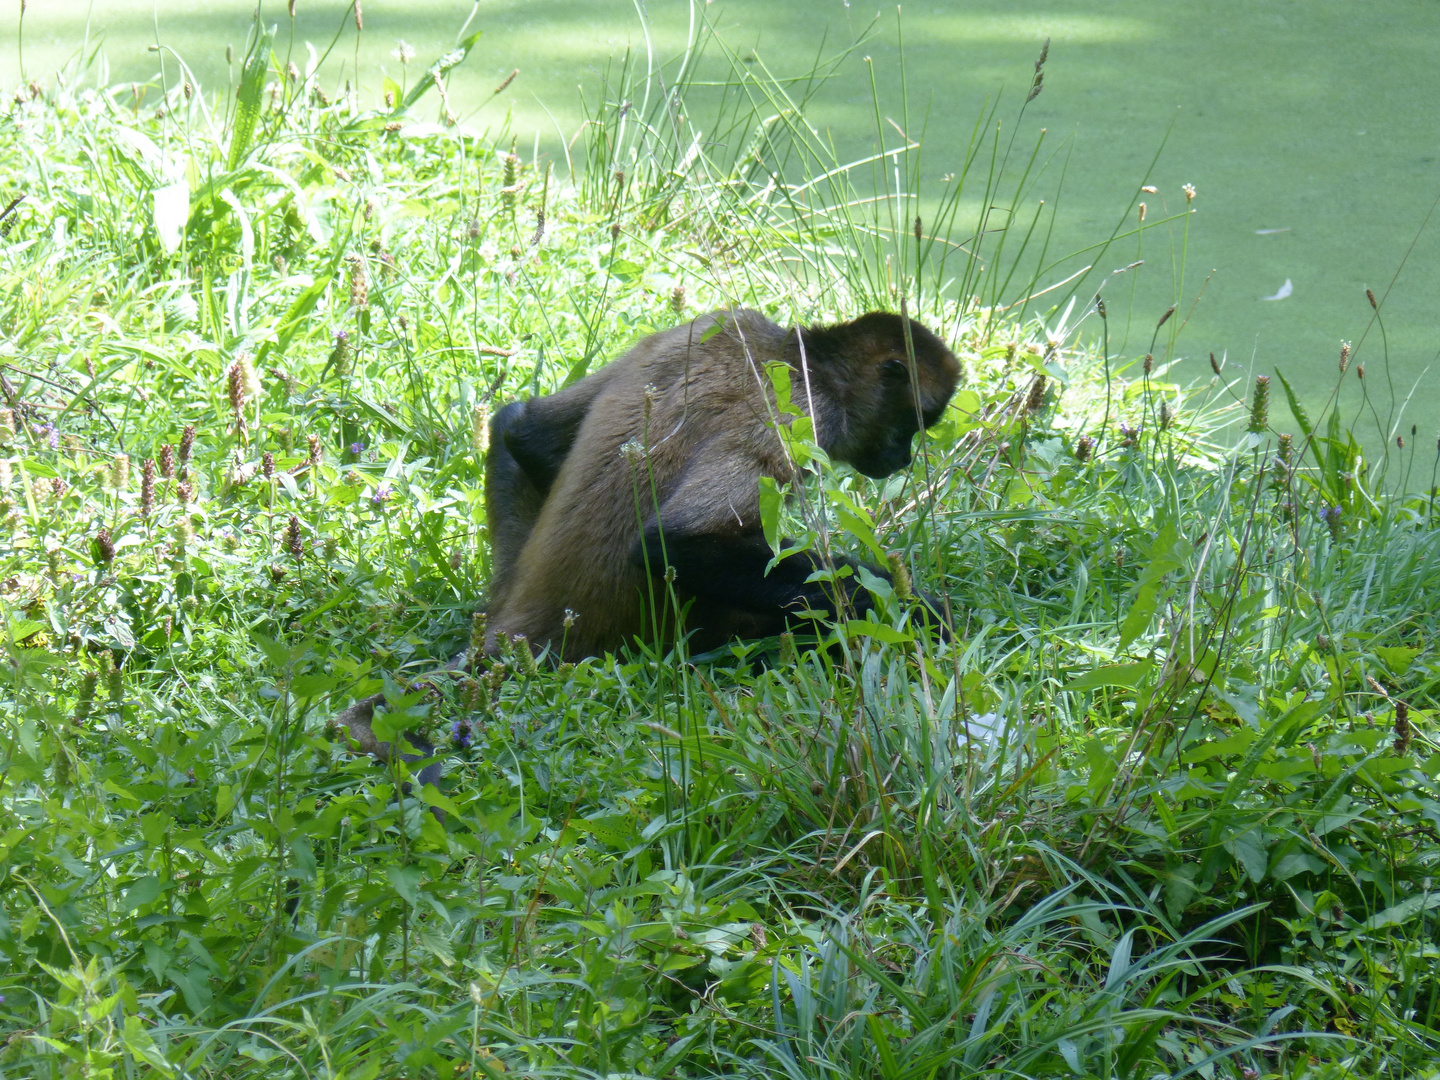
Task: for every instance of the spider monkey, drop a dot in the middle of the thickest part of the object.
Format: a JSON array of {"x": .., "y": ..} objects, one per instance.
[
  {"x": 579, "y": 525},
  {"x": 647, "y": 471}
]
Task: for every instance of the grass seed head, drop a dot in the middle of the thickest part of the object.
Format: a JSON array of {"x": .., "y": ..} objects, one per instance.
[
  {"x": 183, "y": 532},
  {"x": 147, "y": 487},
  {"x": 1189, "y": 190},
  {"x": 1260, "y": 404},
  {"x": 1344, "y": 356},
  {"x": 1084, "y": 447},
  {"x": 359, "y": 284},
  {"x": 1214, "y": 364},
  {"x": 1370, "y": 295},
  {"x": 1148, "y": 366},
  {"x": 235, "y": 390},
  {"x": 900, "y": 575},
  {"x": 340, "y": 354},
  {"x": 167, "y": 461},
  {"x": 294, "y": 543},
  {"x": 120, "y": 471},
  {"x": 1403, "y": 731},
  {"x": 104, "y": 548},
  {"x": 1036, "y": 398},
  {"x": 480, "y": 427}
]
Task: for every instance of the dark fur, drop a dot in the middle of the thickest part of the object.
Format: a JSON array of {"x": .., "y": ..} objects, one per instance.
[{"x": 575, "y": 524}]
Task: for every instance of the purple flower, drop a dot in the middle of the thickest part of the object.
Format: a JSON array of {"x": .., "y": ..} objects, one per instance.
[
  {"x": 460, "y": 734},
  {"x": 383, "y": 494},
  {"x": 53, "y": 435},
  {"x": 357, "y": 448}
]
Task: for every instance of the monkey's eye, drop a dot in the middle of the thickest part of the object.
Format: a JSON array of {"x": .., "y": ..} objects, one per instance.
[{"x": 895, "y": 371}]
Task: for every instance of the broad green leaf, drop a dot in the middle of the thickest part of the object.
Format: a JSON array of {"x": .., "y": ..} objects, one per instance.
[
  {"x": 1127, "y": 675},
  {"x": 770, "y": 500},
  {"x": 878, "y": 631},
  {"x": 406, "y": 881},
  {"x": 145, "y": 891},
  {"x": 1249, "y": 851}
]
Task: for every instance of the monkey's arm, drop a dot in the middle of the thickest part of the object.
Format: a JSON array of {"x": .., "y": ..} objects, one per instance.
[
  {"x": 729, "y": 571},
  {"x": 709, "y": 531}
]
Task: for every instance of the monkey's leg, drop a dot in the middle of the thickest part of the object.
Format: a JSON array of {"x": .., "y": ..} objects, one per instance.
[{"x": 529, "y": 442}]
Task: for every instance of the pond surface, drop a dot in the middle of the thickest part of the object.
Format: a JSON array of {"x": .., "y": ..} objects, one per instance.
[{"x": 1309, "y": 128}]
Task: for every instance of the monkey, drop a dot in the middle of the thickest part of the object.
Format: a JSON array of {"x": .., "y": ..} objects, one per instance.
[
  {"x": 647, "y": 472},
  {"x": 660, "y": 473}
]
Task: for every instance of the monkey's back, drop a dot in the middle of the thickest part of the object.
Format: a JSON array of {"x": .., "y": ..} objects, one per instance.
[{"x": 708, "y": 409}]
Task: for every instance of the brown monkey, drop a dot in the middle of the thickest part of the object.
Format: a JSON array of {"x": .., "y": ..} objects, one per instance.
[{"x": 654, "y": 462}]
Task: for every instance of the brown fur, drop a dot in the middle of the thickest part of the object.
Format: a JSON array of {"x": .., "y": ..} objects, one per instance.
[{"x": 707, "y": 431}]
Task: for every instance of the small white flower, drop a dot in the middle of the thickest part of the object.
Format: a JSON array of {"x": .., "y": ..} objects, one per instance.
[{"x": 403, "y": 51}]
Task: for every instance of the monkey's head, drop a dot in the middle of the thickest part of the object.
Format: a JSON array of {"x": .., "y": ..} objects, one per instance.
[{"x": 877, "y": 402}]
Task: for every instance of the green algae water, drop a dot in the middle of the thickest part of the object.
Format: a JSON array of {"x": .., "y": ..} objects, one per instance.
[{"x": 1308, "y": 129}]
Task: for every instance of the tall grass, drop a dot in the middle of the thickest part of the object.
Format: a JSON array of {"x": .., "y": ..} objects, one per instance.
[{"x": 1165, "y": 806}]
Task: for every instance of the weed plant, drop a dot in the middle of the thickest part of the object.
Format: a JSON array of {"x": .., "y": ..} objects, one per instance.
[{"x": 1165, "y": 806}]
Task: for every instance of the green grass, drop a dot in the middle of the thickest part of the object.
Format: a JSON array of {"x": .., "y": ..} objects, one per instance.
[{"x": 1166, "y": 806}]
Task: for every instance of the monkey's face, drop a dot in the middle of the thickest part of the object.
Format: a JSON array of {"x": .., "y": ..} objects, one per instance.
[
  {"x": 886, "y": 440},
  {"x": 887, "y": 414},
  {"x": 886, "y": 382}
]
